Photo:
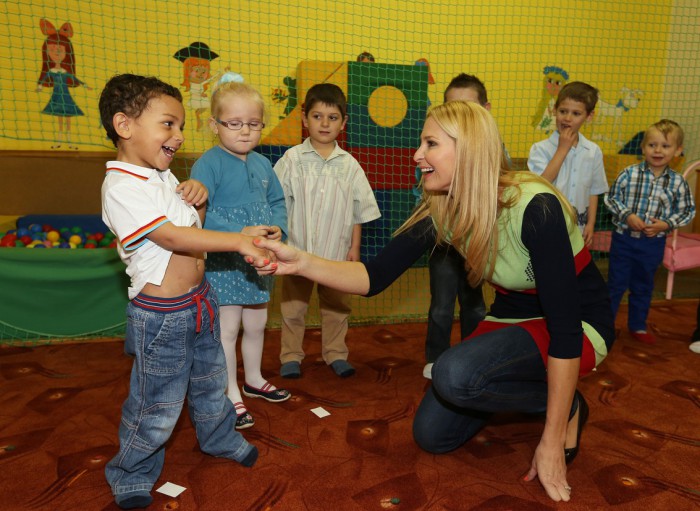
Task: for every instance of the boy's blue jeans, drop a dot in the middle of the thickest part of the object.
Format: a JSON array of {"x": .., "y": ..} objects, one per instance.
[
  {"x": 500, "y": 371},
  {"x": 448, "y": 282},
  {"x": 633, "y": 264},
  {"x": 173, "y": 359}
]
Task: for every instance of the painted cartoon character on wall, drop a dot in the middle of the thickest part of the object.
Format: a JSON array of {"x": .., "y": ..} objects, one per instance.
[
  {"x": 554, "y": 79},
  {"x": 627, "y": 100},
  {"x": 196, "y": 59},
  {"x": 58, "y": 72},
  {"x": 279, "y": 95}
]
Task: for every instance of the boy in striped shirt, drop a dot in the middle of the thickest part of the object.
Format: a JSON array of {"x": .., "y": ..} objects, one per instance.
[{"x": 328, "y": 199}]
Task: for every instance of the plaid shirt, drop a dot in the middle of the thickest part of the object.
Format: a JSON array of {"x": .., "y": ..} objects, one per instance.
[{"x": 637, "y": 191}]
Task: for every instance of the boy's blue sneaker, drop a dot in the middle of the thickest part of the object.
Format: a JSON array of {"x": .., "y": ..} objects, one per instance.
[
  {"x": 290, "y": 370},
  {"x": 343, "y": 368},
  {"x": 134, "y": 500}
]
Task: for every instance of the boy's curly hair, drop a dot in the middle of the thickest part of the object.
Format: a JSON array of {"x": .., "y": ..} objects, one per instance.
[{"x": 130, "y": 94}]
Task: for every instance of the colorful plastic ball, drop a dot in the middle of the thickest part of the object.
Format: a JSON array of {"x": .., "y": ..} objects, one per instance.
[
  {"x": 38, "y": 245},
  {"x": 104, "y": 242},
  {"x": 75, "y": 239},
  {"x": 35, "y": 228},
  {"x": 38, "y": 236},
  {"x": 22, "y": 232},
  {"x": 99, "y": 236},
  {"x": 53, "y": 236},
  {"x": 7, "y": 243},
  {"x": 89, "y": 245},
  {"x": 10, "y": 236},
  {"x": 26, "y": 239},
  {"x": 64, "y": 244},
  {"x": 46, "y": 228},
  {"x": 76, "y": 230}
]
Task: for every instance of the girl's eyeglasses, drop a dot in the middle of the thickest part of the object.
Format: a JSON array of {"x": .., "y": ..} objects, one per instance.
[{"x": 238, "y": 125}]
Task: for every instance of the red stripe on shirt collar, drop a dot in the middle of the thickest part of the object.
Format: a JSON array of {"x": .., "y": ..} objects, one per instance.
[{"x": 122, "y": 171}]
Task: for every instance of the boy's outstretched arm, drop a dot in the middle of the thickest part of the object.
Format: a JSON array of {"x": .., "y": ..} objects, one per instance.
[{"x": 193, "y": 239}]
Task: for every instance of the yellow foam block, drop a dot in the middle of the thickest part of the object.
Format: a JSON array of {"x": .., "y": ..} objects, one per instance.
[{"x": 308, "y": 74}]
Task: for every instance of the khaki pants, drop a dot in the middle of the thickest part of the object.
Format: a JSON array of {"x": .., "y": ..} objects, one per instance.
[{"x": 335, "y": 310}]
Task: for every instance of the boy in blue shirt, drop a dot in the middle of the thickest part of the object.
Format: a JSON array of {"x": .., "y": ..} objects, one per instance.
[
  {"x": 569, "y": 160},
  {"x": 647, "y": 200}
]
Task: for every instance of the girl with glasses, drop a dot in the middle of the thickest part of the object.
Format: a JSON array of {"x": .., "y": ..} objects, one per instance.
[{"x": 244, "y": 196}]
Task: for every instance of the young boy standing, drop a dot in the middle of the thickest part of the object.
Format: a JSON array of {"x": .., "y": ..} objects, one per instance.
[
  {"x": 328, "y": 197},
  {"x": 172, "y": 317},
  {"x": 569, "y": 160},
  {"x": 448, "y": 276},
  {"x": 647, "y": 201}
]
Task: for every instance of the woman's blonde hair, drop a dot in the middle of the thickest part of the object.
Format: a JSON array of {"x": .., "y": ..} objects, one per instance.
[{"x": 466, "y": 216}]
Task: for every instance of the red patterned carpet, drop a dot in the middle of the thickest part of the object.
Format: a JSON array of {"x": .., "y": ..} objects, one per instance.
[{"x": 60, "y": 408}]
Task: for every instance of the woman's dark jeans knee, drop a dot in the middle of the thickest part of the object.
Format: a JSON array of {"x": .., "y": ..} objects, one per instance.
[{"x": 500, "y": 371}]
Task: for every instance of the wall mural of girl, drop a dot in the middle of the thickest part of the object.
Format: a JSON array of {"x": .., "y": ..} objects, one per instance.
[
  {"x": 554, "y": 79},
  {"x": 58, "y": 72}
]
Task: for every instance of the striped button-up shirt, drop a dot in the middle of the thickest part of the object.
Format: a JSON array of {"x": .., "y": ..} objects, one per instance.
[
  {"x": 637, "y": 191},
  {"x": 325, "y": 199}
]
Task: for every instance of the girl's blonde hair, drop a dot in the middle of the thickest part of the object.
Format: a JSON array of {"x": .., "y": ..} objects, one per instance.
[
  {"x": 230, "y": 89},
  {"x": 466, "y": 216}
]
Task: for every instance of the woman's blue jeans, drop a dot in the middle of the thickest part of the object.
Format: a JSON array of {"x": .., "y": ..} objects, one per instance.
[
  {"x": 172, "y": 360},
  {"x": 500, "y": 371}
]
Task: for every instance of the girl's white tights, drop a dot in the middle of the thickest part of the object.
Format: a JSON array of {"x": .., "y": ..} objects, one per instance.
[{"x": 254, "y": 319}]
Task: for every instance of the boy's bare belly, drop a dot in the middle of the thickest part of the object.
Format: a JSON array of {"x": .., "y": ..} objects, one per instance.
[{"x": 185, "y": 271}]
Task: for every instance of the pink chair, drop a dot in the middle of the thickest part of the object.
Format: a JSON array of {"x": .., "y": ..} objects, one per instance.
[{"x": 682, "y": 249}]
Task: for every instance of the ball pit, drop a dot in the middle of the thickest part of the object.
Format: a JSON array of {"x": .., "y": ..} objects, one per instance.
[
  {"x": 58, "y": 289},
  {"x": 45, "y": 236}
]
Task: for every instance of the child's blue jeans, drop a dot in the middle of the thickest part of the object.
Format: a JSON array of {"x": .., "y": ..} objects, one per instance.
[
  {"x": 448, "y": 282},
  {"x": 633, "y": 264},
  {"x": 177, "y": 352}
]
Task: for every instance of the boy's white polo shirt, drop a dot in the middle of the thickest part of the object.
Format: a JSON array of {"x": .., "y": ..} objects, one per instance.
[{"x": 135, "y": 202}]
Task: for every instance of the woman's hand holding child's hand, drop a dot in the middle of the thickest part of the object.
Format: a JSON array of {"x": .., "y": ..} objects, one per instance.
[{"x": 285, "y": 260}]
